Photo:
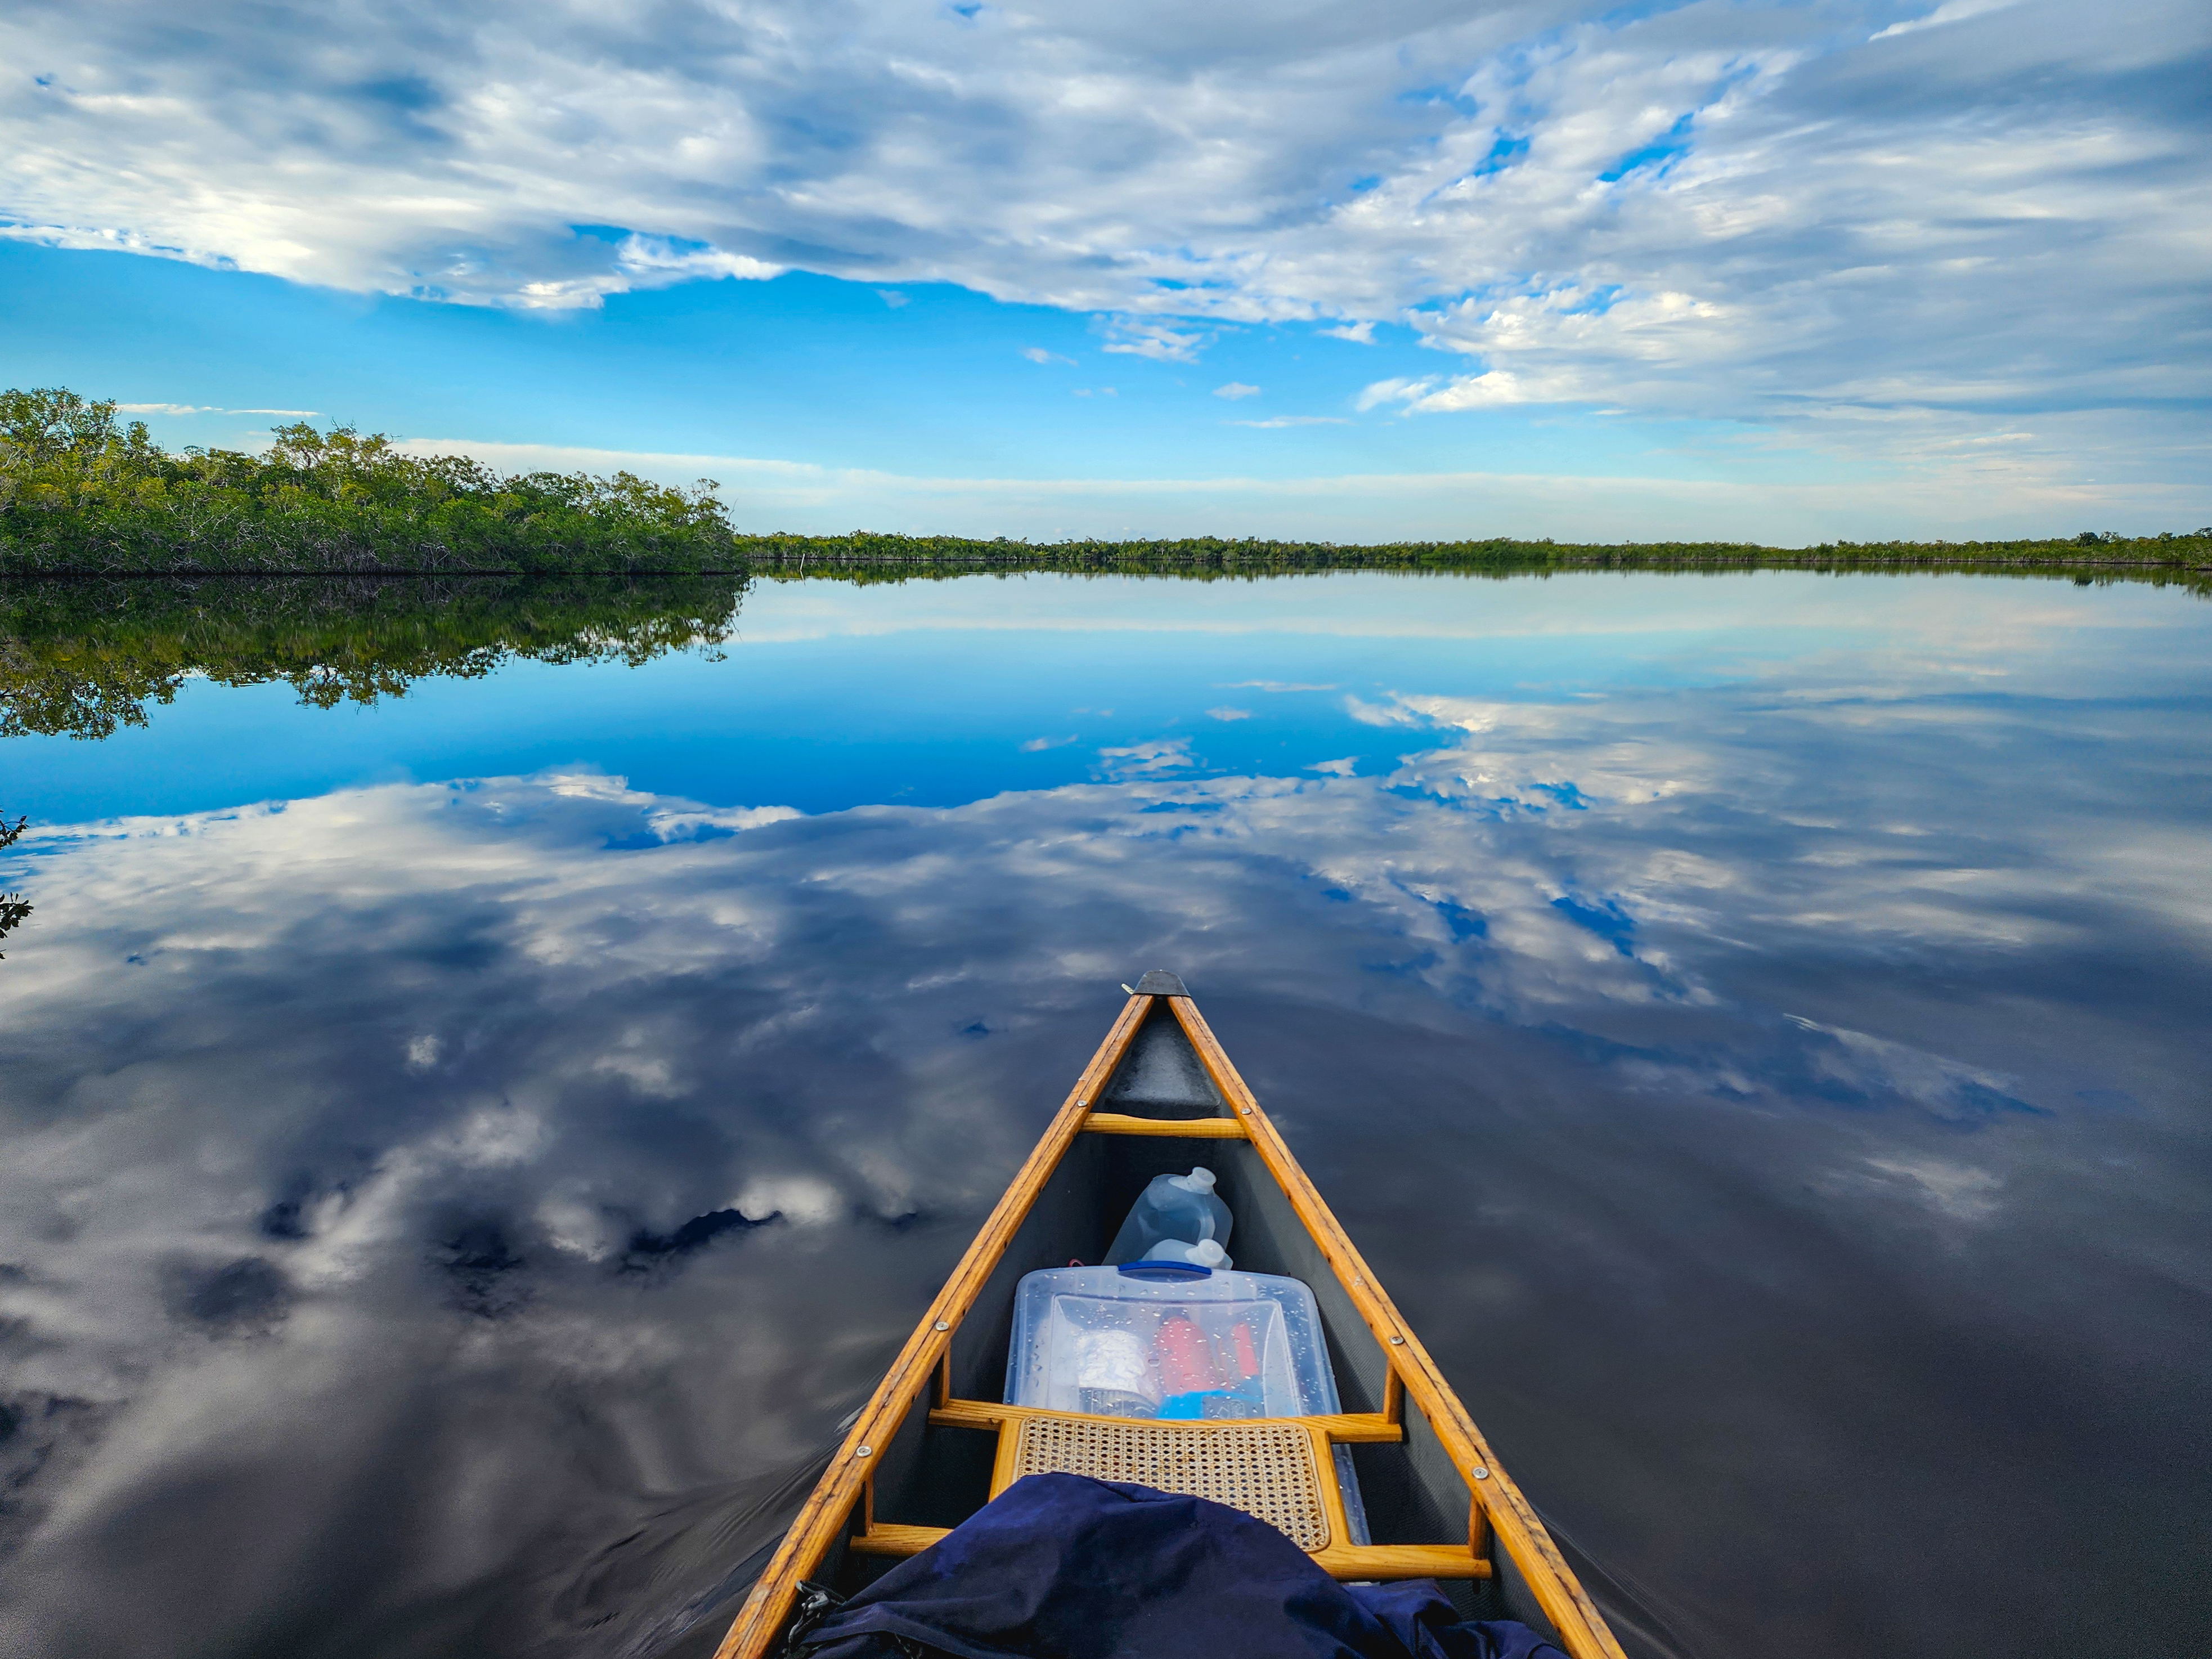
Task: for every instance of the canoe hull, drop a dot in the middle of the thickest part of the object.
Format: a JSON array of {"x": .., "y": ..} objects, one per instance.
[{"x": 1166, "y": 1098}]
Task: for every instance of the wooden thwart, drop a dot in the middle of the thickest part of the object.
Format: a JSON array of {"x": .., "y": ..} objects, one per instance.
[
  {"x": 1335, "y": 1554},
  {"x": 1195, "y": 1128},
  {"x": 1356, "y": 1563},
  {"x": 1347, "y": 1428}
]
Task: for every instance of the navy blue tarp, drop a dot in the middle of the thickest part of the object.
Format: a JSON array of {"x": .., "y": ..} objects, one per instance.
[{"x": 1061, "y": 1566}]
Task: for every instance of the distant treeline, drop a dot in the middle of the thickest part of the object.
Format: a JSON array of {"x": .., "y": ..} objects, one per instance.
[
  {"x": 81, "y": 658},
  {"x": 82, "y": 494},
  {"x": 864, "y": 556}
]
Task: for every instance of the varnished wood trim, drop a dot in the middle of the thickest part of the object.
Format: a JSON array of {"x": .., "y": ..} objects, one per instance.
[
  {"x": 1332, "y": 1495},
  {"x": 1393, "y": 1395},
  {"x": 824, "y": 1513},
  {"x": 889, "y": 1538},
  {"x": 1009, "y": 1450},
  {"x": 1360, "y": 1561},
  {"x": 1195, "y": 1128},
  {"x": 1354, "y": 1562},
  {"x": 1348, "y": 1427},
  {"x": 1582, "y": 1628}
]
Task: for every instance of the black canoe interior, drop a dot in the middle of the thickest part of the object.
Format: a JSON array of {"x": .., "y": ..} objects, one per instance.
[{"x": 938, "y": 1477}]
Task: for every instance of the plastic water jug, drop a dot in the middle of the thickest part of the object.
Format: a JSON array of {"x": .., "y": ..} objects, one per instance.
[
  {"x": 1207, "y": 1253},
  {"x": 1174, "y": 1206}
]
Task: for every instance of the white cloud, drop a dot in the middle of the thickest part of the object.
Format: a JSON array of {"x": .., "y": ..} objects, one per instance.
[
  {"x": 1225, "y": 713},
  {"x": 1957, "y": 1190},
  {"x": 1147, "y": 760},
  {"x": 1039, "y": 354},
  {"x": 1134, "y": 336},
  {"x": 638, "y": 262},
  {"x": 1276, "y": 423},
  {"x": 1361, "y": 333},
  {"x": 1952, "y": 11},
  {"x": 1394, "y": 712},
  {"x": 803, "y": 1199},
  {"x": 1398, "y": 389},
  {"x": 1750, "y": 212},
  {"x": 210, "y": 408},
  {"x": 1236, "y": 389}
]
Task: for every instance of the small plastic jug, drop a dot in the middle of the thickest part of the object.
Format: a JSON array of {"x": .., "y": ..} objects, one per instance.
[
  {"x": 1207, "y": 1253},
  {"x": 1174, "y": 1206}
]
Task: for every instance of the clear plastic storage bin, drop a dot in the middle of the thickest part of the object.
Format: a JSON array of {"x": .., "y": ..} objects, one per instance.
[
  {"x": 1162, "y": 1339},
  {"x": 1166, "y": 1340}
]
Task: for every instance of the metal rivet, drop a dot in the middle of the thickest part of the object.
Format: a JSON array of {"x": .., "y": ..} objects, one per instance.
[
  {"x": 1246, "y": 1110},
  {"x": 1397, "y": 1341},
  {"x": 864, "y": 1452},
  {"x": 1481, "y": 1473},
  {"x": 942, "y": 1326}
]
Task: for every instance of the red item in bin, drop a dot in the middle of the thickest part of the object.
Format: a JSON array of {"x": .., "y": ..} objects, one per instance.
[
  {"x": 1185, "y": 1365},
  {"x": 1248, "y": 1363}
]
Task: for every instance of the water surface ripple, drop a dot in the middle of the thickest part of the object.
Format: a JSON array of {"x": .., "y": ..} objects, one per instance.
[{"x": 467, "y": 1153}]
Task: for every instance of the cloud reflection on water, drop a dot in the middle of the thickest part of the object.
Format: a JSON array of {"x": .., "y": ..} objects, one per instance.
[{"x": 442, "y": 1217}]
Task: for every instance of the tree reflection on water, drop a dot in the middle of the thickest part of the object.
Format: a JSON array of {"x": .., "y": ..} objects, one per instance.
[
  {"x": 14, "y": 907},
  {"x": 84, "y": 658}
]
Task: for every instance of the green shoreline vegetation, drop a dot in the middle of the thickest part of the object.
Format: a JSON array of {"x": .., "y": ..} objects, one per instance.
[
  {"x": 83, "y": 495},
  {"x": 85, "y": 657},
  {"x": 14, "y": 907},
  {"x": 2184, "y": 559}
]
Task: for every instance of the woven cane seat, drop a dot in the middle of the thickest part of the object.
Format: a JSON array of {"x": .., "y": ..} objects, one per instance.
[{"x": 1267, "y": 1470}]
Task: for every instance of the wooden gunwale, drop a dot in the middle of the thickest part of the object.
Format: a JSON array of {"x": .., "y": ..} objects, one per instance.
[
  {"x": 1582, "y": 1628},
  {"x": 1497, "y": 1507},
  {"x": 824, "y": 1512}
]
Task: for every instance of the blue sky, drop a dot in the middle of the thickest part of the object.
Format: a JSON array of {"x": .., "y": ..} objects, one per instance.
[{"x": 1791, "y": 272}]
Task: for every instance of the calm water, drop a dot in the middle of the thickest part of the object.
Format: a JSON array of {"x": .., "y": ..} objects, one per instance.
[{"x": 466, "y": 1155}]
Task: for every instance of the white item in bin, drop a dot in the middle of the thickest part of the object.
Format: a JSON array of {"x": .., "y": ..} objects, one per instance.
[
  {"x": 1204, "y": 1253},
  {"x": 1173, "y": 1206},
  {"x": 1113, "y": 1375}
]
